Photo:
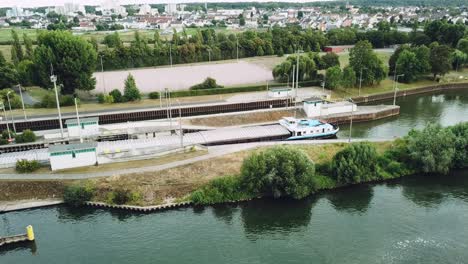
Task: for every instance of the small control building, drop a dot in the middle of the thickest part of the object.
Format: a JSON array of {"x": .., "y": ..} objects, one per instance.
[
  {"x": 72, "y": 155},
  {"x": 315, "y": 107},
  {"x": 89, "y": 127},
  {"x": 279, "y": 92}
]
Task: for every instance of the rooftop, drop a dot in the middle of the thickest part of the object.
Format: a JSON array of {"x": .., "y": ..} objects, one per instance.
[{"x": 72, "y": 147}]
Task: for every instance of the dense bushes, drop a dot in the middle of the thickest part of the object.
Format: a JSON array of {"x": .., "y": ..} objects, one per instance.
[
  {"x": 25, "y": 137},
  {"x": 25, "y": 166},
  {"x": 355, "y": 163},
  {"x": 284, "y": 171},
  {"x": 48, "y": 101},
  {"x": 76, "y": 195},
  {"x": 278, "y": 171},
  {"x": 116, "y": 96},
  {"x": 220, "y": 190},
  {"x": 208, "y": 83},
  {"x": 123, "y": 196},
  {"x": 154, "y": 95}
]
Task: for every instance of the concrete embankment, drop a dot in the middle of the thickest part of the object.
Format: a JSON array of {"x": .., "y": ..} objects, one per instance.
[
  {"x": 401, "y": 93},
  {"x": 26, "y": 204},
  {"x": 364, "y": 113}
]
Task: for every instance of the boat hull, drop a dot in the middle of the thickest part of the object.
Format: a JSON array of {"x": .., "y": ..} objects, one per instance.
[{"x": 331, "y": 134}]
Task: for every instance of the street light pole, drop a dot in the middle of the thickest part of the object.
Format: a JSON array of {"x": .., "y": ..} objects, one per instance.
[
  {"x": 181, "y": 132},
  {"x": 22, "y": 102},
  {"x": 170, "y": 53},
  {"x": 53, "y": 79},
  {"x": 360, "y": 82},
  {"x": 11, "y": 114},
  {"x": 209, "y": 55},
  {"x": 78, "y": 120},
  {"x": 102, "y": 73},
  {"x": 237, "y": 48},
  {"x": 396, "y": 88},
  {"x": 6, "y": 120},
  {"x": 351, "y": 122}
]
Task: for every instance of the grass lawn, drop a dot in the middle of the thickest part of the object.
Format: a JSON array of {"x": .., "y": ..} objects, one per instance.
[
  {"x": 6, "y": 51},
  {"x": 5, "y": 34}
]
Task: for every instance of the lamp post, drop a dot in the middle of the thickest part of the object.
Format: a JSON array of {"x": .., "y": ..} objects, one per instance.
[
  {"x": 396, "y": 88},
  {"x": 351, "y": 122},
  {"x": 287, "y": 84},
  {"x": 78, "y": 120},
  {"x": 53, "y": 79},
  {"x": 209, "y": 55},
  {"x": 293, "y": 79},
  {"x": 102, "y": 73},
  {"x": 323, "y": 84},
  {"x": 22, "y": 101},
  {"x": 237, "y": 48},
  {"x": 181, "y": 132},
  {"x": 170, "y": 53},
  {"x": 360, "y": 81},
  {"x": 11, "y": 114},
  {"x": 6, "y": 120}
]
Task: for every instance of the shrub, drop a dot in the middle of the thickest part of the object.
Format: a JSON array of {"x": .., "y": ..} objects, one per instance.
[
  {"x": 48, "y": 101},
  {"x": 117, "y": 95},
  {"x": 25, "y": 166},
  {"x": 76, "y": 195},
  {"x": 131, "y": 92},
  {"x": 121, "y": 196},
  {"x": 356, "y": 163},
  {"x": 26, "y": 136},
  {"x": 4, "y": 141},
  {"x": 154, "y": 95},
  {"x": 15, "y": 100},
  {"x": 100, "y": 98},
  {"x": 220, "y": 190},
  {"x": 208, "y": 83},
  {"x": 108, "y": 99},
  {"x": 67, "y": 100},
  {"x": 460, "y": 159},
  {"x": 279, "y": 171},
  {"x": 432, "y": 149}
]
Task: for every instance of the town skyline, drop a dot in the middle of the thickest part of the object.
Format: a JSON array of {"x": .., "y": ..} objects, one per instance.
[{"x": 41, "y": 3}]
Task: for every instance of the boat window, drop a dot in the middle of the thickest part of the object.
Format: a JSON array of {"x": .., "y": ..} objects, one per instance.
[
  {"x": 299, "y": 133},
  {"x": 323, "y": 130}
]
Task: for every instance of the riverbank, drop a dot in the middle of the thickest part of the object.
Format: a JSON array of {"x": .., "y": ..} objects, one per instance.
[{"x": 10, "y": 206}]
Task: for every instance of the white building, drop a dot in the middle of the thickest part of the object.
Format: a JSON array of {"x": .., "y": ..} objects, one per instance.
[
  {"x": 147, "y": 10},
  {"x": 109, "y": 7},
  {"x": 279, "y": 92},
  {"x": 72, "y": 156},
  {"x": 88, "y": 127},
  {"x": 15, "y": 12},
  {"x": 317, "y": 107}
]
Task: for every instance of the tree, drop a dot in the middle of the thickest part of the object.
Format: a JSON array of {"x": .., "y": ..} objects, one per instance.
[
  {"x": 8, "y": 74},
  {"x": 459, "y": 59},
  {"x": 431, "y": 150},
  {"x": 330, "y": 59},
  {"x": 279, "y": 171},
  {"x": 131, "y": 92},
  {"x": 73, "y": 60},
  {"x": 394, "y": 57},
  {"x": 242, "y": 21},
  {"x": 440, "y": 60},
  {"x": 460, "y": 131},
  {"x": 300, "y": 15},
  {"x": 333, "y": 77},
  {"x": 16, "y": 49},
  {"x": 463, "y": 45},
  {"x": 25, "y": 70},
  {"x": 356, "y": 163},
  {"x": 349, "y": 77},
  {"x": 28, "y": 46},
  {"x": 117, "y": 95},
  {"x": 113, "y": 40},
  {"x": 363, "y": 59},
  {"x": 408, "y": 63}
]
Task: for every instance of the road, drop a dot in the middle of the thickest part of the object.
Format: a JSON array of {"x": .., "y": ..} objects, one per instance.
[{"x": 213, "y": 152}]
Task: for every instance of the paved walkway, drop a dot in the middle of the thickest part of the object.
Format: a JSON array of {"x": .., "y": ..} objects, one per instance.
[
  {"x": 9, "y": 206},
  {"x": 213, "y": 152}
]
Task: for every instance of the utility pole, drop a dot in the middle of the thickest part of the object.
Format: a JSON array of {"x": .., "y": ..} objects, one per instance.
[
  {"x": 22, "y": 102},
  {"x": 323, "y": 84},
  {"x": 237, "y": 47},
  {"x": 293, "y": 79},
  {"x": 78, "y": 120},
  {"x": 351, "y": 123},
  {"x": 360, "y": 81},
  {"x": 6, "y": 120},
  {"x": 102, "y": 73},
  {"x": 209, "y": 55},
  {"x": 181, "y": 132},
  {"x": 11, "y": 114},
  {"x": 53, "y": 79},
  {"x": 396, "y": 88},
  {"x": 170, "y": 53}
]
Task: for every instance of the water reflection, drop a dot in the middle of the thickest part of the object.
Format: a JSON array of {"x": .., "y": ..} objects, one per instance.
[
  {"x": 433, "y": 190},
  {"x": 267, "y": 216},
  {"x": 68, "y": 213},
  {"x": 22, "y": 246},
  {"x": 353, "y": 199},
  {"x": 225, "y": 212}
]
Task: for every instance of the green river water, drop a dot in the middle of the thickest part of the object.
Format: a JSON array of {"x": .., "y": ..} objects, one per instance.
[{"x": 417, "y": 219}]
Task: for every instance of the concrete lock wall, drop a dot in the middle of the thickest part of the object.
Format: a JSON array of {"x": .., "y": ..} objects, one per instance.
[
  {"x": 88, "y": 130},
  {"x": 68, "y": 161}
]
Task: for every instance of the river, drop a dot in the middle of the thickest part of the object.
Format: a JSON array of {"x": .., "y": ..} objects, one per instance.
[{"x": 417, "y": 219}]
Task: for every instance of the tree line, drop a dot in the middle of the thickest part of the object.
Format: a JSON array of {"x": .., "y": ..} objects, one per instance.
[{"x": 289, "y": 172}]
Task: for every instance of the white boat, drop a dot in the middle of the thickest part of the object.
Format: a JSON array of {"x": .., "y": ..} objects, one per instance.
[{"x": 308, "y": 128}]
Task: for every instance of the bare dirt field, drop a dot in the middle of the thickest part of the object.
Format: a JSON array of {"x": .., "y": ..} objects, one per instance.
[{"x": 182, "y": 77}]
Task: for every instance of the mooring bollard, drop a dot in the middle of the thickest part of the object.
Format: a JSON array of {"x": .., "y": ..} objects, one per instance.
[{"x": 30, "y": 232}]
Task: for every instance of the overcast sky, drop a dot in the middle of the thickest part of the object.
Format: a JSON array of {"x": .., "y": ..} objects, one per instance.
[{"x": 36, "y": 3}]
